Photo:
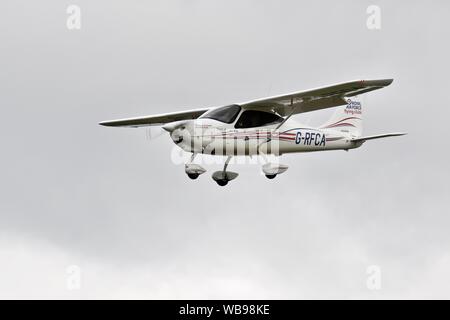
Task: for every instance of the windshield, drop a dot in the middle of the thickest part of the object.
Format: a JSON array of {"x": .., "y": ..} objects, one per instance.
[{"x": 223, "y": 114}]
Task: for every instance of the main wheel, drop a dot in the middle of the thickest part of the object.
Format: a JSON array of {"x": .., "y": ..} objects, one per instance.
[
  {"x": 270, "y": 176},
  {"x": 193, "y": 176},
  {"x": 222, "y": 182}
]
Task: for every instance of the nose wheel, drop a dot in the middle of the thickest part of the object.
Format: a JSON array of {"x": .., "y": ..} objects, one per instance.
[
  {"x": 271, "y": 176},
  {"x": 222, "y": 182},
  {"x": 223, "y": 177}
]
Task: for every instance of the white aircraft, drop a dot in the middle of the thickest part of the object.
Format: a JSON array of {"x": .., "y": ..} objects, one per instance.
[{"x": 264, "y": 126}]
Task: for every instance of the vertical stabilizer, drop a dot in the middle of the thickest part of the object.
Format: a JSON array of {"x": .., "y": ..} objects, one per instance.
[{"x": 347, "y": 118}]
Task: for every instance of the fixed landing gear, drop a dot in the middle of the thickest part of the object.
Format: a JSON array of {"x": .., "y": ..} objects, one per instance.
[
  {"x": 193, "y": 170},
  {"x": 271, "y": 170},
  {"x": 222, "y": 182},
  {"x": 222, "y": 177},
  {"x": 193, "y": 176}
]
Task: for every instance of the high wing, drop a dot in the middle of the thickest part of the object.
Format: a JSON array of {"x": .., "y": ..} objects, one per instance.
[
  {"x": 155, "y": 120},
  {"x": 315, "y": 99},
  {"x": 284, "y": 105}
]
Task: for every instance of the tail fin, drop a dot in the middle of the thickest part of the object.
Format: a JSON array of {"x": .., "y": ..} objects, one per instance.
[{"x": 347, "y": 118}]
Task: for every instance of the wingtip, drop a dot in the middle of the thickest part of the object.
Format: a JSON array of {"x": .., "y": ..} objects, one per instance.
[
  {"x": 386, "y": 82},
  {"x": 383, "y": 82},
  {"x": 105, "y": 124}
]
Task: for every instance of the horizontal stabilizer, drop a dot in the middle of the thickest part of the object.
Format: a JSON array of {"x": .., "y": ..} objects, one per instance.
[{"x": 378, "y": 136}]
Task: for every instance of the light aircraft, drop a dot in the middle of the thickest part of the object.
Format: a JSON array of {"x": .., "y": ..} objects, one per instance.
[{"x": 265, "y": 127}]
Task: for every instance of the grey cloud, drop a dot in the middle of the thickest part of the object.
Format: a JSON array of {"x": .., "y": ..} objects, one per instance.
[{"x": 113, "y": 199}]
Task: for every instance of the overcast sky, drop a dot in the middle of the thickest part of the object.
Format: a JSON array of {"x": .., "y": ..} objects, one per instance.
[{"x": 113, "y": 203}]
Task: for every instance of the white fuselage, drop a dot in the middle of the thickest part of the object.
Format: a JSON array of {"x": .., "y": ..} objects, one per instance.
[{"x": 213, "y": 137}]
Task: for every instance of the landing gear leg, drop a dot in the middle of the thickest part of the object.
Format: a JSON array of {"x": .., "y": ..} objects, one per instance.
[
  {"x": 226, "y": 164},
  {"x": 224, "y": 182}
]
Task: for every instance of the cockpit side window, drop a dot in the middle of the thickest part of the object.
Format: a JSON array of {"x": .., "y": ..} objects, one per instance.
[
  {"x": 225, "y": 114},
  {"x": 255, "y": 118}
]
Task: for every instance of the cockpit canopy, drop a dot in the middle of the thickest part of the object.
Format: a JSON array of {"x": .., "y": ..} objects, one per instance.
[
  {"x": 248, "y": 118},
  {"x": 225, "y": 114}
]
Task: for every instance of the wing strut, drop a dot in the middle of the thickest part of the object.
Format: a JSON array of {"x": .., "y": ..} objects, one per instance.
[{"x": 294, "y": 109}]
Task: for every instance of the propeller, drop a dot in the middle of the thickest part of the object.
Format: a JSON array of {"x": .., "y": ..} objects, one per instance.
[
  {"x": 153, "y": 132},
  {"x": 177, "y": 130}
]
